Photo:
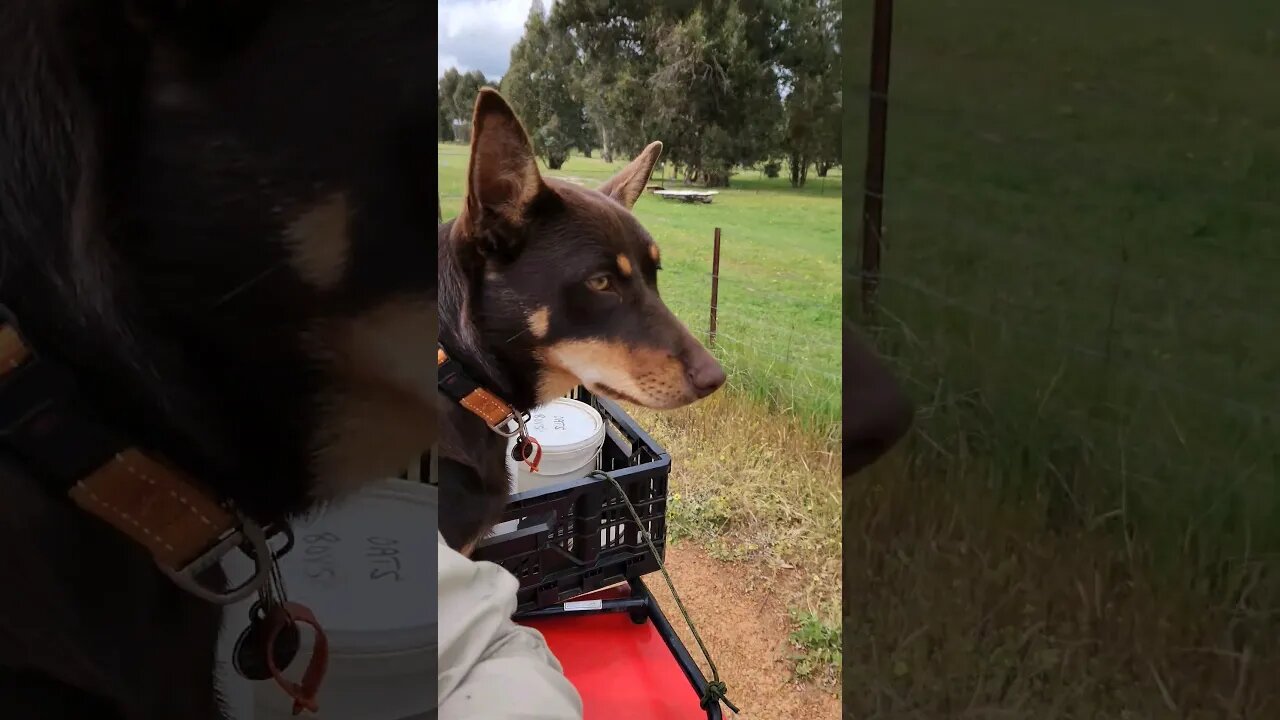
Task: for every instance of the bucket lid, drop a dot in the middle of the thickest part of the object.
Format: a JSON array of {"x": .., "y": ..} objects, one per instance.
[
  {"x": 366, "y": 566},
  {"x": 566, "y": 426}
]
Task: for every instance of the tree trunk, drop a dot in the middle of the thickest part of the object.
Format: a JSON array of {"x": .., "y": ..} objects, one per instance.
[
  {"x": 711, "y": 178},
  {"x": 606, "y": 153},
  {"x": 799, "y": 166}
]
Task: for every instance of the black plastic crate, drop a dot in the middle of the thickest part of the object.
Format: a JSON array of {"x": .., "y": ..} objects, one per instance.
[{"x": 577, "y": 536}]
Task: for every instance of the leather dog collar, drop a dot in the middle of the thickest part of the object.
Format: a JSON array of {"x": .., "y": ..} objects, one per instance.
[
  {"x": 50, "y": 427},
  {"x": 454, "y": 381},
  {"x": 499, "y": 415}
]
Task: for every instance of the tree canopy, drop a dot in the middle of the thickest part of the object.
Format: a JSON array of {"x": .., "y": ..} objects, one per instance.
[
  {"x": 725, "y": 84},
  {"x": 455, "y": 96},
  {"x": 541, "y": 84}
]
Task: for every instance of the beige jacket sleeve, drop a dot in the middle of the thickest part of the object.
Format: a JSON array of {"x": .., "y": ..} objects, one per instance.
[{"x": 490, "y": 667}]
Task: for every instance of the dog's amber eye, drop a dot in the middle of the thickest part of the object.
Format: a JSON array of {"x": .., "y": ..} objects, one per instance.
[{"x": 600, "y": 283}]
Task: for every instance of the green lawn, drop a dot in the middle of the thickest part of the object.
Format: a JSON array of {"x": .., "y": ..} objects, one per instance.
[
  {"x": 1083, "y": 250},
  {"x": 779, "y": 301},
  {"x": 1081, "y": 264}
]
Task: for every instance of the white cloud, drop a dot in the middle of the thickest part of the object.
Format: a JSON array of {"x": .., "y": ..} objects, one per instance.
[
  {"x": 479, "y": 34},
  {"x": 444, "y": 62}
]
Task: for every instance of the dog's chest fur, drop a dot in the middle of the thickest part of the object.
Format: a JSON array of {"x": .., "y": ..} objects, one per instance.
[{"x": 474, "y": 490}]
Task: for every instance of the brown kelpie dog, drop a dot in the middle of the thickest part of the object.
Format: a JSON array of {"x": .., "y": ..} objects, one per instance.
[
  {"x": 218, "y": 287},
  {"x": 545, "y": 286}
]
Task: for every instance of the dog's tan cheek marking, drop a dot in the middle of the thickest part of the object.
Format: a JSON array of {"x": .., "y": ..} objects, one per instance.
[
  {"x": 649, "y": 376},
  {"x": 540, "y": 322},
  {"x": 624, "y": 265},
  {"x": 655, "y": 254},
  {"x": 379, "y": 406},
  {"x": 319, "y": 243},
  {"x": 366, "y": 435},
  {"x": 388, "y": 345},
  {"x": 555, "y": 383},
  {"x": 591, "y": 360}
]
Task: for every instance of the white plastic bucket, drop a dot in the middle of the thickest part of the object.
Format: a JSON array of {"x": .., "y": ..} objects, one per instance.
[
  {"x": 571, "y": 434},
  {"x": 236, "y": 692},
  {"x": 366, "y": 568}
]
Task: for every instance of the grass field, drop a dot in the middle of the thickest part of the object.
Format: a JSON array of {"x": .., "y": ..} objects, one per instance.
[
  {"x": 1082, "y": 251},
  {"x": 779, "y": 297},
  {"x": 755, "y": 470}
]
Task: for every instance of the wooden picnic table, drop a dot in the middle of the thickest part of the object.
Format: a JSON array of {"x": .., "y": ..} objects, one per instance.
[{"x": 702, "y": 196}]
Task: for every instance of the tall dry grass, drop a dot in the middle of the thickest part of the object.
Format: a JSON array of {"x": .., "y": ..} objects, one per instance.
[
  {"x": 753, "y": 485},
  {"x": 958, "y": 605}
]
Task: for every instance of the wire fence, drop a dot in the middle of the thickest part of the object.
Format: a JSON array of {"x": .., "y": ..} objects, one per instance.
[{"x": 778, "y": 347}]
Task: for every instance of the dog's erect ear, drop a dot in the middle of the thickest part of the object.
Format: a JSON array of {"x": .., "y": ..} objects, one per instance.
[
  {"x": 628, "y": 185},
  {"x": 503, "y": 178}
]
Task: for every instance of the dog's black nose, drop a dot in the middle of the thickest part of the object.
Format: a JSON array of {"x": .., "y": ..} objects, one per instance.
[{"x": 706, "y": 375}]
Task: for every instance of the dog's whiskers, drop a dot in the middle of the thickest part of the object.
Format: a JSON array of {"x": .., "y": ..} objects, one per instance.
[{"x": 239, "y": 289}]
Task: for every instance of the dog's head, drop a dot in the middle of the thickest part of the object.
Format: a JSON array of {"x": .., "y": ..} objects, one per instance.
[
  {"x": 565, "y": 279},
  {"x": 246, "y": 188}
]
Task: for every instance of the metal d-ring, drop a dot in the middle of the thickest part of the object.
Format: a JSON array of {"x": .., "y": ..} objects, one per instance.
[
  {"x": 248, "y": 533},
  {"x": 503, "y": 428}
]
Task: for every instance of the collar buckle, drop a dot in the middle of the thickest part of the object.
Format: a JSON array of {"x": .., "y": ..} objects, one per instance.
[
  {"x": 248, "y": 537},
  {"x": 156, "y": 505},
  {"x": 513, "y": 425}
]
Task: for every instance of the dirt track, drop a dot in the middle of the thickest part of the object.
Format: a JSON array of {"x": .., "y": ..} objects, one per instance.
[{"x": 743, "y": 621}]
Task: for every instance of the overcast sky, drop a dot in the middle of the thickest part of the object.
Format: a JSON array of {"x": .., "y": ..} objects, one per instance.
[{"x": 478, "y": 34}]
